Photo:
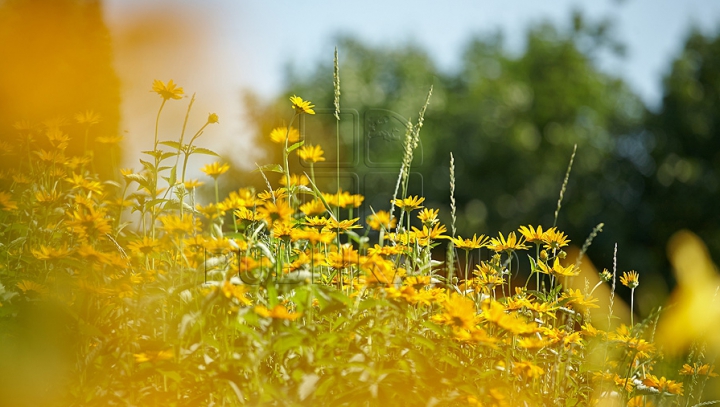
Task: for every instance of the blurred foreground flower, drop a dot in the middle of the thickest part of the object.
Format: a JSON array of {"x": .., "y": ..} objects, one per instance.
[
  {"x": 171, "y": 91},
  {"x": 215, "y": 169},
  {"x": 88, "y": 117},
  {"x": 279, "y": 134},
  {"x": 695, "y": 315},
  {"x": 311, "y": 153}
]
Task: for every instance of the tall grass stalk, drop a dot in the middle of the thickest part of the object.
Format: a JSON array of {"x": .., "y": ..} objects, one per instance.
[
  {"x": 336, "y": 103},
  {"x": 564, "y": 186},
  {"x": 453, "y": 206}
]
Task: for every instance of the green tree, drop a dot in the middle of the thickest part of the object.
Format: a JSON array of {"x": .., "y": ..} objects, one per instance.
[{"x": 684, "y": 135}]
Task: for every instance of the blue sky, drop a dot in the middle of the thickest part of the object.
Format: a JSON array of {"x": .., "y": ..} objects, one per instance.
[{"x": 226, "y": 45}]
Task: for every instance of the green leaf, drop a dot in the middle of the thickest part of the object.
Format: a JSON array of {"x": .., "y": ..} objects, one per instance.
[
  {"x": 205, "y": 151},
  {"x": 295, "y": 146},
  {"x": 372, "y": 303},
  {"x": 113, "y": 183},
  {"x": 135, "y": 177},
  {"x": 434, "y": 327},
  {"x": 148, "y": 166},
  {"x": 424, "y": 342},
  {"x": 270, "y": 167},
  {"x": 154, "y": 202},
  {"x": 319, "y": 194},
  {"x": 173, "y": 176},
  {"x": 167, "y": 155},
  {"x": 173, "y": 144}
]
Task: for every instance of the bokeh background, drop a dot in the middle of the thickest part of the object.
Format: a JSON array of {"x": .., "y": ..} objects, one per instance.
[{"x": 635, "y": 84}]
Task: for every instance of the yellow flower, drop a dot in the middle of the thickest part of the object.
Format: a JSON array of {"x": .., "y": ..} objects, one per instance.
[
  {"x": 237, "y": 292},
  {"x": 533, "y": 235},
  {"x": 215, "y": 169},
  {"x": 428, "y": 216},
  {"x": 56, "y": 122},
  {"x": 279, "y": 312},
  {"x": 511, "y": 244},
  {"x": 577, "y": 298},
  {"x": 663, "y": 385},
  {"x": 5, "y": 203},
  {"x": 311, "y": 153},
  {"x": 344, "y": 257},
  {"x": 702, "y": 370},
  {"x": 50, "y": 253},
  {"x": 24, "y": 125},
  {"x": 174, "y": 224},
  {"x": 109, "y": 139},
  {"x": 387, "y": 250},
  {"x": 276, "y": 194},
  {"x": 78, "y": 181},
  {"x": 154, "y": 356},
  {"x": 278, "y": 211},
  {"x": 316, "y": 221},
  {"x": 527, "y": 370},
  {"x": 167, "y": 92},
  {"x": 630, "y": 279},
  {"x": 343, "y": 225},
  {"x": 146, "y": 245},
  {"x": 57, "y": 138},
  {"x": 554, "y": 239},
  {"x": 88, "y": 117},
  {"x": 213, "y": 118},
  {"x": 426, "y": 235},
  {"x": 458, "y": 311},
  {"x": 410, "y": 203},
  {"x": 27, "y": 285},
  {"x": 314, "y": 236},
  {"x": 192, "y": 184},
  {"x": 246, "y": 214},
  {"x": 380, "y": 220},
  {"x": 533, "y": 342},
  {"x": 295, "y": 179},
  {"x": 469, "y": 244},
  {"x": 278, "y": 135},
  {"x": 89, "y": 223},
  {"x": 282, "y": 230},
  {"x": 301, "y": 106},
  {"x": 210, "y": 211},
  {"x": 21, "y": 179},
  {"x": 354, "y": 200},
  {"x": 91, "y": 254},
  {"x": 6, "y": 148},
  {"x": 495, "y": 312},
  {"x": 558, "y": 269},
  {"x": 314, "y": 207}
]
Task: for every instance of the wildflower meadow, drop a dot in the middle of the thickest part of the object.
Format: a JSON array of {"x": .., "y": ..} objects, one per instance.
[{"x": 141, "y": 291}]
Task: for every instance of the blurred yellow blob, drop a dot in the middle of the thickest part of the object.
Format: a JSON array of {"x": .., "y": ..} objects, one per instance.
[
  {"x": 693, "y": 311},
  {"x": 588, "y": 272}
]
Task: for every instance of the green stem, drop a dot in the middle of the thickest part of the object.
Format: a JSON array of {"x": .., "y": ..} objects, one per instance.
[
  {"x": 285, "y": 158},
  {"x": 157, "y": 123},
  {"x": 632, "y": 307},
  {"x": 337, "y": 159}
]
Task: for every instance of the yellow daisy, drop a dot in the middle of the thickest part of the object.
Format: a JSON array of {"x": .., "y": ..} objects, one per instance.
[
  {"x": 171, "y": 91},
  {"x": 302, "y": 106}
]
